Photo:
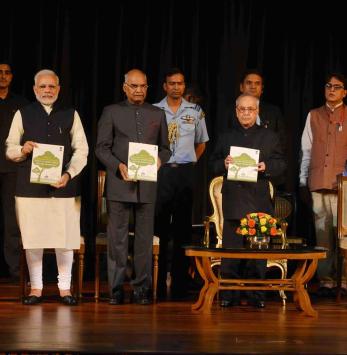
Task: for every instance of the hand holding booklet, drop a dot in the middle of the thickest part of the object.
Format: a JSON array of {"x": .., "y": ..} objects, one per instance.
[
  {"x": 47, "y": 164},
  {"x": 245, "y": 164},
  {"x": 142, "y": 161}
]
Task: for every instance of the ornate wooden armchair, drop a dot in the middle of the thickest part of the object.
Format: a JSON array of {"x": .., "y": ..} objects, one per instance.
[
  {"x": 341, "y": 229},
  {"x": 217, "y": 219},
  {"x": 101, "y": 241}
]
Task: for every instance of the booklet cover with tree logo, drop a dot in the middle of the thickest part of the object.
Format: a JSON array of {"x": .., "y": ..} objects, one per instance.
[
  {"x": 142, "y": 161},
  {"x": 245, "y": 164},
  {"x": 47, "y": 164}
]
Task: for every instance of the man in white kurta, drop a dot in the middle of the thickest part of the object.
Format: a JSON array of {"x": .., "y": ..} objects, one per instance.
[{"x": 48, "y": 216}]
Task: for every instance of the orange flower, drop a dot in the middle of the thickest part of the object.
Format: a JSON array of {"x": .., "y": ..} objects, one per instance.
[
  {"x": 273, "y": 231},
  {"x": 258, "y": 223}
]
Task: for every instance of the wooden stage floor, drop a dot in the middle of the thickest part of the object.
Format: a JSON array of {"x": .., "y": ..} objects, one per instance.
[{"x": 168, "y": 328}]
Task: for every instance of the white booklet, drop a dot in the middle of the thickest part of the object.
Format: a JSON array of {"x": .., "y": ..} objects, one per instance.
[
  {"x": 142, "y": 161},
  {"x": 245, "y": 164},
  {"x": 47, "y": 164}
]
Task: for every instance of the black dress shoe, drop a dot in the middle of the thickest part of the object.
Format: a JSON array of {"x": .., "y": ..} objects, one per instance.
[
  {"x": 68, "y": 300},
  {"x": 229, "y": 303},
  {"x": 325, "y": 292},
  {"x": 142, "y": 296},
  {"x": 117, "y": 298},
  {"x": 258, "y": 304},
  {"x": 31, "y": 300}
]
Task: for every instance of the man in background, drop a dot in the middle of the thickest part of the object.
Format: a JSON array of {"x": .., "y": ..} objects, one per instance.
[
  {"x": 324, "y": 153},
  {"x": 187, "y": 138},
  {"x": 10, "y": 236}
]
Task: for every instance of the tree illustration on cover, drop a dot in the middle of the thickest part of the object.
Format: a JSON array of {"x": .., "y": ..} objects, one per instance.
[
  {"x": 242, "y": 161},
  {"x": 45, "y": 161},
  {"x": 142, "y": 158}
]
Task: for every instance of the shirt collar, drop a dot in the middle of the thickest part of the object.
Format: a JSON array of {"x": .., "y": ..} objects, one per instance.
[{"x": 332, "y": 109}]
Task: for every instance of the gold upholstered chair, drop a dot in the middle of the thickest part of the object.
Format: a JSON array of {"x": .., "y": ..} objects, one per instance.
[
  {"x": 341, "y": 229},
  {"x": 217, "y": 220},
  {"x": 101, "y": 240}
]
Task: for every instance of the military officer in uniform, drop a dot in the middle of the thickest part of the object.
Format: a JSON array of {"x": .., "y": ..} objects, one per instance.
[
  {"x": 132, "y": 120},
  {"x": 187, "y": 138}
]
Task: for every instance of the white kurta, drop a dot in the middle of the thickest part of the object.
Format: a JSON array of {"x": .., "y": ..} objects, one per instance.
[{"x": 49, "y": 222}]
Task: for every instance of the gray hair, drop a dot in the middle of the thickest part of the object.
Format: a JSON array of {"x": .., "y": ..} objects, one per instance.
[
  {"x": 247, "y": 95},
  {"x": 45, "y": 72}
]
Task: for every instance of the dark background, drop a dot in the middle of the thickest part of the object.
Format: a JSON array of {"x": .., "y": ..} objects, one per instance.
[{"x": 92, "y": 46}]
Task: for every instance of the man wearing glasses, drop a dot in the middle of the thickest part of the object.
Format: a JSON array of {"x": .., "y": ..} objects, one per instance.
[
  {"x": 48, "y": 215},
  {"x": 240, "y": 197},
  {"x": 132, "y": 120},
  {"x": 324, "y": 152},
  {"x": 269, "y": 116}
]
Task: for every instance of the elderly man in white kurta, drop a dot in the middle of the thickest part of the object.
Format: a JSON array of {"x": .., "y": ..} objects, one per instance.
[{"x": 48, "y": 215}]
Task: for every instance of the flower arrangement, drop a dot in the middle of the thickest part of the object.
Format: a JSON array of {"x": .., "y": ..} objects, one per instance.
[{"x": 258, "y": 225}]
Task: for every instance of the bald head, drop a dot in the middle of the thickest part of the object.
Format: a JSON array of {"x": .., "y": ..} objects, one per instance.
[{"x": 135, "y": 86}]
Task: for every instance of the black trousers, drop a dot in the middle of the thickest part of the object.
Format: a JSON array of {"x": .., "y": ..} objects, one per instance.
[
  {"x": 238, "y": 268},
  {"x": 11, "y": 233},
  {"x": 174, "y": 219},
  {"x": 117, "y": 243}
]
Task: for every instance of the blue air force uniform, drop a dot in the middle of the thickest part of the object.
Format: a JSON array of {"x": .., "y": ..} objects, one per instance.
[{"x": 186, "y": 127}]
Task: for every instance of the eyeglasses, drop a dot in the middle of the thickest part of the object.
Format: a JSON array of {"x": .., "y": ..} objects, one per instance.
[
  {"x": 137, "y": 86},
  {"x": 244, "y": 109},
  {"x": 330, "y": 86}
]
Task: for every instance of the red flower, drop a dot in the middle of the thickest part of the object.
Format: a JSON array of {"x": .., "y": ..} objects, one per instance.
[
  {"x": 252, "y": 231},
  {"x": 273, "y": 231},
  {"x": 251, "y": 223}
]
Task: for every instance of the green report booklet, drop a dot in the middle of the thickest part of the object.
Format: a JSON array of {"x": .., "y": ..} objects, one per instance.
[
  {"x": 47, "y": 164},
  {"x": 142, "y": 161},
  {"x": 245, "y": 164}
]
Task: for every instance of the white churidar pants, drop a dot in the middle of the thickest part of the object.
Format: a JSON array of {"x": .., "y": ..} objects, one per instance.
[{"x": 64, "y": 263}]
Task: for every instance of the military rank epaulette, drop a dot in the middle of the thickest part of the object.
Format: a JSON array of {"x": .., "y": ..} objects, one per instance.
[{"x": 197, "y": 107}]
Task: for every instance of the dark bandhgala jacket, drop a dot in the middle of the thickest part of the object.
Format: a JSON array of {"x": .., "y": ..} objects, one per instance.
[
  {"x": 53, "y": 128},
  {"x": 240, "y": 198},
  {"x": 123, "y": 123}
]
